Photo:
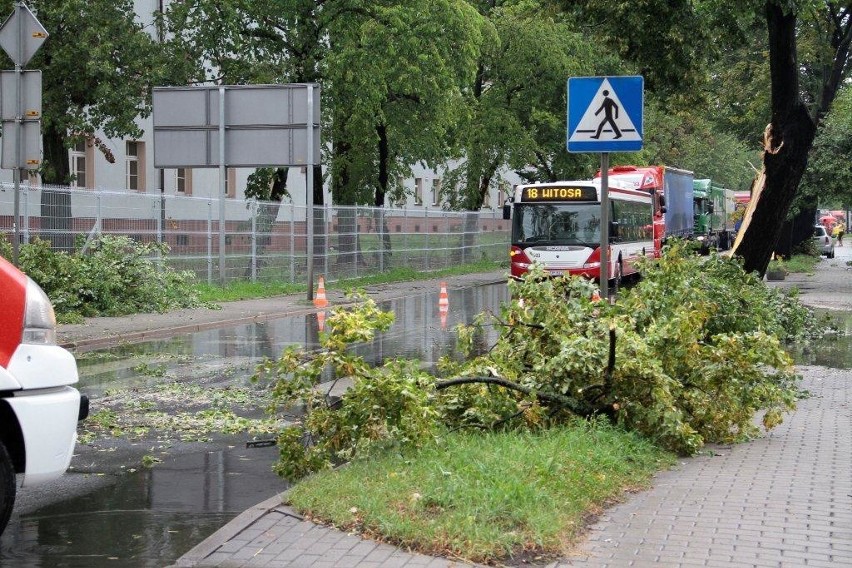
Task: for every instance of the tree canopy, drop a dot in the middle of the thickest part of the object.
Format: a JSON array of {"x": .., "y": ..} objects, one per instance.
[
  {"x": 98, "y": 66},
  {"x": 474, "y": 86}
]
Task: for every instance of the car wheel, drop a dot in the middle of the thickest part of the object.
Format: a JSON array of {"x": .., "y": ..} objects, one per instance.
[{"x": 7, "y": 487}]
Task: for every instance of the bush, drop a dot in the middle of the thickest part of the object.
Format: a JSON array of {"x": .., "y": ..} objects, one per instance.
[{"x": 116, "y": 276}]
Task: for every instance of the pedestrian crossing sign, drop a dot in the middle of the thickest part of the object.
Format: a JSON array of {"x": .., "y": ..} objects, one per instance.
[{"x": 605, "y": 114}]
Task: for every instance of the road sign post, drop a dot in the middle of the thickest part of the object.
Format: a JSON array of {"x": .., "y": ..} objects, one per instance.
[
  {"x": 605, "y": 115},
  {"x": 21, "y": 35}
]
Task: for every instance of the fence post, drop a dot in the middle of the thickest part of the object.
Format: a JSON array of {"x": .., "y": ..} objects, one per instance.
[
  {"x": 381, "y": 232},
  {"x": 327, "y": 213},
  {"x": 254, "y": 241},
  {"x": 292, "y": 242},
  {"x": 159, "y": 217},
  {"x": 426, "y": 230},
  {"x": 209, "y": 242}
]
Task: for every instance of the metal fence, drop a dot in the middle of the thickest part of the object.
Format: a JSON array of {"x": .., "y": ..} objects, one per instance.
[{"x": 264, "y": 241}]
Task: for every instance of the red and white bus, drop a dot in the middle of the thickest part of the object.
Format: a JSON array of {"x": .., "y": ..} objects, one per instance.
[{"x": 557, "y": 225}]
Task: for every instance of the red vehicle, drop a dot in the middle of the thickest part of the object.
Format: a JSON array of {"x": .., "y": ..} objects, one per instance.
[
  {"x": 39, "y": 408},
  {"x": 557, "y": 225},
  {"x": 673, "y": 193}
]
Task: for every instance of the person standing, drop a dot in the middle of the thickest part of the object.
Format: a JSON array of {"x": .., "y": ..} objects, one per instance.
[{"x": 841, "y": 228}]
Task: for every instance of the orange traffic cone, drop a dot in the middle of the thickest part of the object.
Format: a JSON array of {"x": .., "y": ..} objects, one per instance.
[
  {"x": 443, "y": 305},
  {"x": 596, "y": 296},
  {"x": 320, "y": 300},
  {"x": 321, "y": 320}
]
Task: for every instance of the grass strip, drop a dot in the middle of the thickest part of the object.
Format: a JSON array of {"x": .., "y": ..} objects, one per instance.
[
  {"x": 245, "y": 290},
  {"x": 485, "y": 497}
]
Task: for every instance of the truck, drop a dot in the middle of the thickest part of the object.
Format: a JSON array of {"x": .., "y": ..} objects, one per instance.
[
  {"x": 39, "y": 407},
  {"x": 713, "y": 207},
  {"x": 672, "y": 189}
]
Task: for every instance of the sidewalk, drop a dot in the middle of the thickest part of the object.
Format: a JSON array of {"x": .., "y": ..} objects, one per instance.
[{"x": 782, "y": 500}]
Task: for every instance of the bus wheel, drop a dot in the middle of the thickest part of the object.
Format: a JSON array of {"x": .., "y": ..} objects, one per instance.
[{"x": 7, "y": 487}]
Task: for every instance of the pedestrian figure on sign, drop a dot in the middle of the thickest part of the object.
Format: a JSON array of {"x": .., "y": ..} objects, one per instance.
[{"x": 609, "y": 107}]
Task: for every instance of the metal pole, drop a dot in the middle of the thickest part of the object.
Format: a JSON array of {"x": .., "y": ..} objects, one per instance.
[
  {"x": 223, "y": 178},
  {"x": 209, "y": 242},
  {"x": 309, "y": 192},
  {"x": 19, "y": 122},
  {"x": 604, "y": 275}
]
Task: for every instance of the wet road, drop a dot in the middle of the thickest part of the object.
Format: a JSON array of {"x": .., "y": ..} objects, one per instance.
[{"x": 110, "y": 511}]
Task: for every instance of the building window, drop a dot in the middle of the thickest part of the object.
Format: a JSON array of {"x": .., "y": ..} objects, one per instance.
[
  {"x": 436, "y": 191},
  {"x": 184, "y": 181},
  {"x": 182, "y": 240},
  {"x": 418, "y": 191},
  {"x": 136, "y": 165},
  {"x": 81, "y": 158}
]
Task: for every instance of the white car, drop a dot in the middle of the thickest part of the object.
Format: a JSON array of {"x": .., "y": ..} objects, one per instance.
[{"x": 823, "y": 241}]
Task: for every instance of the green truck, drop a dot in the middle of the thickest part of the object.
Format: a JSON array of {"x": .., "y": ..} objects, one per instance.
[{"x": 712, "y": 209}]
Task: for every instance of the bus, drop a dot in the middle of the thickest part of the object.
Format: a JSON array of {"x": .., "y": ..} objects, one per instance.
[{"x": 557, "y": 225}]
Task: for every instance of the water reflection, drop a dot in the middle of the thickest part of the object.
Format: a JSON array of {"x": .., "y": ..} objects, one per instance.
[
  {"x": 416, "y": 333},
  {"x": 833, "y": 351},
  {"x": 147, "y": 518}
]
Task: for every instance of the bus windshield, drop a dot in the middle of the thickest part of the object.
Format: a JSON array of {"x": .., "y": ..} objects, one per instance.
[{"x": 557, "y": 224}]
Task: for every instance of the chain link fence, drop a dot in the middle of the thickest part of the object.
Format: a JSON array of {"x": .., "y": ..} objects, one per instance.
[{"x": 264, "y": 241}]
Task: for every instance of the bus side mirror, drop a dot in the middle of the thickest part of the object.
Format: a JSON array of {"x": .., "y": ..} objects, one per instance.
[{"x": 507, "y": 211}]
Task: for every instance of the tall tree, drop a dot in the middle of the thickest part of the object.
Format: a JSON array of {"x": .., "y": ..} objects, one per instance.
[
  {"x": 803, "y": 90},
  {"x": 517, "y": 100},
  {"x": 98, "y": 65}
]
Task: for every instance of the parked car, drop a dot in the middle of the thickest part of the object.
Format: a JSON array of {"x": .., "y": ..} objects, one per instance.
[
  {"x": 39, "y": 408},
  {"x": 824, "y": 242}
]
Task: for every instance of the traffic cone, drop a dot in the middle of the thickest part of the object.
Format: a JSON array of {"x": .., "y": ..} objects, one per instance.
[
  {"x": 320, "y": 300},
  {"x": 596, "y": 296},
  {"x": 443, "y": 305},
  {"x": 321, "y": 320}
]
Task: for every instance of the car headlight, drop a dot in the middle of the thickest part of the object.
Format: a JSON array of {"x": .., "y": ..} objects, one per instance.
[{"x": 39, "y": 318}]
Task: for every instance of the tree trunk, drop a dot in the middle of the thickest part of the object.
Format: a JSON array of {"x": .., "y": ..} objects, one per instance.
[
  {"x": 380, "y": 223},
  {"x": 787, "y": 141}
]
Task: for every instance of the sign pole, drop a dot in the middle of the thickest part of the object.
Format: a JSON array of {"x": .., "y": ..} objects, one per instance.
[
  {"x": 223, "y": 178},
  {"x": 309, "y": 192},
  {"x": 604, "y": 274},
  {"x": 20, "y": 127}
]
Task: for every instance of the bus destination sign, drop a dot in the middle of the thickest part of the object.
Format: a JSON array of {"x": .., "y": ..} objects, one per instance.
[{"x": 555, "y": 193}]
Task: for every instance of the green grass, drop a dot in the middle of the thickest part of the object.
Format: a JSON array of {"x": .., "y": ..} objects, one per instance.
[
  {"x": 803, "y": 263},
  {"x": 485, "y": 498},
  {"x": 243, "y": 290}
]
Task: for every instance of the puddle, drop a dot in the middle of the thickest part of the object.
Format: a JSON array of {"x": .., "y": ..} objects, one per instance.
[
  {"x": 148, "y": 518},
  {"x": 834, "y": 351}
]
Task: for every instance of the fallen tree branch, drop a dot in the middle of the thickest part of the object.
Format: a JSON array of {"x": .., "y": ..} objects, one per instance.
[{"x": 572, "y": 404}]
